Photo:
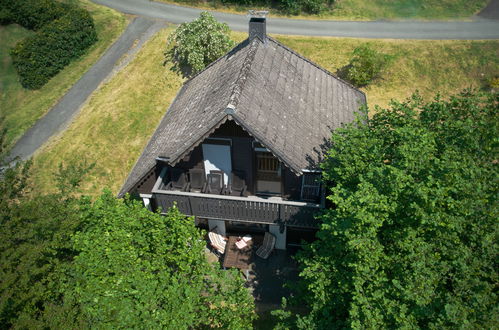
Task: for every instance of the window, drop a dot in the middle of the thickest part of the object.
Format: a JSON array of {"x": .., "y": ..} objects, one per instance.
[
  {"x": 311, "y": 186},
  {"x": 268, "y": 173}
]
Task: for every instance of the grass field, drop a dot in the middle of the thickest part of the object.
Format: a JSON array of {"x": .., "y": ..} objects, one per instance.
[
  {"x": 366, "y": 10},
  {"x": 21, "y": 108},
  {"x": 115, "y": 125}
]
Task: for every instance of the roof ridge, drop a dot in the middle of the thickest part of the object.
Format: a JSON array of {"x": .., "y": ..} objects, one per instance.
[
  {"x": 243, "y": 74},
  {"x": 316, "y": 65}
]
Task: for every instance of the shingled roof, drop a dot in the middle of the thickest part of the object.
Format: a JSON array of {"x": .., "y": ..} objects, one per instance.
[{"x": 283, "y": 100}]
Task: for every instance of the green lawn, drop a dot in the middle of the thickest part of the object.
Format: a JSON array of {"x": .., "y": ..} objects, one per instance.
[
  {"x": 113, "y": 127},
  {"x": 365, "y": 9},
  {"x": 414, "y": 9},
  {"x": 21, "y": 108}
]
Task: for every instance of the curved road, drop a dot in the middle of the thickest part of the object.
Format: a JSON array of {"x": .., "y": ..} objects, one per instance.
[
  {"x": 479, "y": 28},
  {"x": 59, "y": 117}
]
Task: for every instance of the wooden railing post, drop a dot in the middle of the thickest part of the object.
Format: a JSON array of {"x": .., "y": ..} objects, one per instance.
[{"x": 282, "y": 213}]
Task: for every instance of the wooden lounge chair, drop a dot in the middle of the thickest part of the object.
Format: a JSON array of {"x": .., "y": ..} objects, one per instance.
[
  {"x": 237, "y": 186},
  {"x": 178, "y": 180},
  {"x": 267, "y": 247},
  {"x": 217, "y": 241},
  {"x": 197, "y": 180},
  {"x": 214, "y": 183}
]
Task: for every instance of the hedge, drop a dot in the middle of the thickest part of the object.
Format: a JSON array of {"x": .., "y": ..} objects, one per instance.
[
  {"x": 64, "y": 32},
  {"x": 293, "y": 7}
]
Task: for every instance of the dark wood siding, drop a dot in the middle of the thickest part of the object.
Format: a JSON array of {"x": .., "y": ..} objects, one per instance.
[
  {"x": 145, "y": 185},
  {"x": 230, "y": 128},
  {"x": 292, "y": 185},
  {"x": 242, "y": 158},
  {"x": 193, "y": 160}
]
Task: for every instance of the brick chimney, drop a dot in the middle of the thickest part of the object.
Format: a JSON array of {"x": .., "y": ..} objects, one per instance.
[{"x": 257, "y": 24}]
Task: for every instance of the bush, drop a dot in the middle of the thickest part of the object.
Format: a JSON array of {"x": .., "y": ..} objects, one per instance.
[
  {"x": 366, "y": 65},
  {"x": 64, "y": 32},
  {"x": 198, "y": 43},
  {"x": 295, "y": 7},
  {"x": 34, "y": 14}
]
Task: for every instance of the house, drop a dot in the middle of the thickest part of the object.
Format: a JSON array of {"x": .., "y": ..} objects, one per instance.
[{"x": 240, "y": 146}]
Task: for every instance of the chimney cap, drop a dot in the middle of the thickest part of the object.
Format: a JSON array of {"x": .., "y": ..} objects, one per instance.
[{"x": 257, "y": 13}]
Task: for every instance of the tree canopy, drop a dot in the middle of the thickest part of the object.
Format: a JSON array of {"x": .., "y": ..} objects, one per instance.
[
  {"x": 137, "y": 269},
  {"x": 194, "y": 45},
  {"x": 411, "y": 241},
  {"x": 68, "y": 262}
]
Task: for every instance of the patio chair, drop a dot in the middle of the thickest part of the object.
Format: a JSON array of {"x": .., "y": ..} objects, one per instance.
[
  {"x": 197, "y": 180},
  {"x": 237, "y": 186},
  {"x": 214, "y": 183},
  {"x": 267, "y": 247},
  {"x": 217, "y": 241},
  {"x": 178, "y": 180}
]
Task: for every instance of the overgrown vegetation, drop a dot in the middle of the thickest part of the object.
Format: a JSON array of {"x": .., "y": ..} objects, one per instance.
[
  {"x": 64, "y": 33},
  {"x": 22, "y": 107},
  {"x": 412, "y": 239},
  {"x": 194, "y": 45},
  {"x": 349, "y": 9},
  {"x": 292, "y": 7},
  {"x": 366, "y": 65},
  {"x": 67, "y": 262}
]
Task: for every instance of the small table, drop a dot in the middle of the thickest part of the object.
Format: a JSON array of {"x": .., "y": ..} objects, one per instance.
[{"x": 238, "y": 258}]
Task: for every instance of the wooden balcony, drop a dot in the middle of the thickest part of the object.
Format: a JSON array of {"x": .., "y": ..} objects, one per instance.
[{"x": 246, "y": 209}]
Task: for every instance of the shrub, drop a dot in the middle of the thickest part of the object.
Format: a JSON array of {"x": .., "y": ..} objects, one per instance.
[
  {"x": 366, "y": 65},
  {"x": 34, "y": 14},
  {"x": 295, "y": 7},
  {"x": 198, "y": 43},
  {"x": 64, "y": 32}
]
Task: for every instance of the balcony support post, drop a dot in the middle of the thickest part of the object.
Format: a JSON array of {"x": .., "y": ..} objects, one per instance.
[{"x": 146, "y": 198}]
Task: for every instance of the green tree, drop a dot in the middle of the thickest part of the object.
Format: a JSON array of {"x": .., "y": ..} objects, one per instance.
[
  {"x": 67, "y": 263},
  {"x": 194, "y": 45},
  {"x": 137, "y": 269},
  {"x": 366, "y": 65},
  {"x": 412, "y": 239},
  {"x": 34, "y": 245}
]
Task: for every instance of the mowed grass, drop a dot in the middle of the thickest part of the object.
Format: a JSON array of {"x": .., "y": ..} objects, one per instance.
[
  {"x": 20, "y": 107},
  {"x": 413, "y": 9},
  {"x": 364, "y": 9},
  {"x": 115, "y": 125},
  {"x": 428, "y": 67}
]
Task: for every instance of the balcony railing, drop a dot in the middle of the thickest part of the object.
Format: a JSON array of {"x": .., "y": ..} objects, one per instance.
[{"x": 246, "y": 209}]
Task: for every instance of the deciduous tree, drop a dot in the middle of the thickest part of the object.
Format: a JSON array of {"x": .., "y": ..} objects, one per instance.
[
  {"x": 412, "y": 239},
  {"x": 194, "y": 45},
  {"x": 137, "y": 269}
]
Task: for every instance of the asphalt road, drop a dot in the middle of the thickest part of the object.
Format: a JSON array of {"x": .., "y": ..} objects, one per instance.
[
  {"x": 478, "y": 28},
  {"x": 59, "y": 117}
]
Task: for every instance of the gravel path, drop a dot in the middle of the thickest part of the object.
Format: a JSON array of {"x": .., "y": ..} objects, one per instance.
[
  {"x": 59, "y": 117},
  {"x": 479, "y": 28}
]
